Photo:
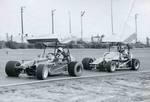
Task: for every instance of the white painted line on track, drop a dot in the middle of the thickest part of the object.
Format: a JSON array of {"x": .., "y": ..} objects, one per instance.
[{"x": 70, "y": 78}]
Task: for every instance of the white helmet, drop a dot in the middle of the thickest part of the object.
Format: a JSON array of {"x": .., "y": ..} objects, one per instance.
[{"x": 60, "y": 49}]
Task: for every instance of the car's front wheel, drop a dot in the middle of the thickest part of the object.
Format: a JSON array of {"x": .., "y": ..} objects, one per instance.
[
  {"x": 111, "y": 66},
  {"x": 75, "y": 69},
  {"x": 42, "y": 72},
  {"x": 135, "y": 64}
]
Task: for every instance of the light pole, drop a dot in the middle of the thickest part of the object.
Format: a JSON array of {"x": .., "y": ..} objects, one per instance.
[
  {"x": 82, "y": 14},
  {"x": 53, "y": 20},
  {"x": 112, "y": 26},
  {"x": 22, "y": 26},
  {"x": 136, "y": 25},
  {"x": 69, "y": 13}
]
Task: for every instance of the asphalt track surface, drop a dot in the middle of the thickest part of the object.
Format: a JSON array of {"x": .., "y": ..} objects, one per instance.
[{"x": 142, "y": 54}]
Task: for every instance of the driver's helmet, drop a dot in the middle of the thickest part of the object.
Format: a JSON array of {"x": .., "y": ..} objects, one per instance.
[
  {"x": 122, "y": 49},
  {"x": 60, "y": 50},
  {"x": 60, "y": 53}
]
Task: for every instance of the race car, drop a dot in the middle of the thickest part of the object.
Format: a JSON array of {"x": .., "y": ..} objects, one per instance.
[
  {"x": 58, "y": 61},
  {"x": 113, "y": 60}
]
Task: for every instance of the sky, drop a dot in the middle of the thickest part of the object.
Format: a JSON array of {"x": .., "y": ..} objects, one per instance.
[{"x": 96, "y": 20}]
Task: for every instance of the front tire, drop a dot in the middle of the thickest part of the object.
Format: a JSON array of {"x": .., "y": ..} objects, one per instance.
[
  {"x": 86, "y": 63},
  {"x": 11, "y": 68},
  {"x": 135, "y": 64},
  {"x": 42, "y": 72},
  {"x": 75, "y": 69},
  {"x": 111, "y": 66}
]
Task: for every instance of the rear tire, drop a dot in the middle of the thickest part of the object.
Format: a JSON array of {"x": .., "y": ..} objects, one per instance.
[
  {"x": 75, "y": 68},
  {"x": 86, "y": 63},
  {"x": 42, "y": 72},
  {"x": 11, "y": 68},
  {"x": 135, "y": 64},
  {"x": 111, "y": 66}
]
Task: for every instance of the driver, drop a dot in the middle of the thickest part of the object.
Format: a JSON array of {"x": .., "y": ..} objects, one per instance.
[
  {"x": 124, "y": 52},
  {"x": 56, "y": 57},
  {"x": 60, "y": 53}
]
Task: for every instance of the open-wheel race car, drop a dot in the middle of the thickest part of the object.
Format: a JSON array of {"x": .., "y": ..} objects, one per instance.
[
  {"x": 48, "y": 63},
  {"x": 121, "y": 58}
]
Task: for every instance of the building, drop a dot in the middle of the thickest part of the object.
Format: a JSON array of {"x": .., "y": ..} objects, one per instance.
[{"x": 2, "y": 44}]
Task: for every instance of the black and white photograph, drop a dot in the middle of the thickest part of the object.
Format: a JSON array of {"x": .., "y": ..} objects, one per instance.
[{"x": 74, "y": 50}]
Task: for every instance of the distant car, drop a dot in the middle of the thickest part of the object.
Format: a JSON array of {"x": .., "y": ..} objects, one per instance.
[
  {"x": 46, "y": 64},
  {"x": 113, "y": 60}
]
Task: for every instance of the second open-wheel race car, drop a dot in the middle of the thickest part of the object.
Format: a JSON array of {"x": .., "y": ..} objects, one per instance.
[
  {"x": 121, "y": 58},
  {"x": 48, "y": 63}
]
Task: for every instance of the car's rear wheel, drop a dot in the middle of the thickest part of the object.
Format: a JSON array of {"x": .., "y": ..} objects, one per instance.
[
  {"x": 75, "y": 69},
  {"x": 12, "y": 69},
  {"x": 86, "y": 63},
  {"x": 135, "y": 64},
  {"x": 111, "y": 66},
  {"x": 42, "y": 72}
]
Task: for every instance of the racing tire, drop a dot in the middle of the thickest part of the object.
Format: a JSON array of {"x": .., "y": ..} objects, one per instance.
[
  {"x": 86, "y": 63},
  {"x": 135, "y": 64},
  {"x": 75, "y": 69},
  {"x": 111, "y": 66},
  {"x": 42, "y": 72},
  {"x": 11, "y": 68}
]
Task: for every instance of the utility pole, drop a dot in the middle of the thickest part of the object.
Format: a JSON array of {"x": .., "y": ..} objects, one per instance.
[
  {"x": 112, "y": 25},
  {"x": 136, "y": 26},
  {"x": 53, "y": 20},
  {"x": 147, "y": 41},
  {"x": 7, "y": 37},
  {"x": 69, "y": 13},
  {"x": 11, "y": 38},
  {"x": 22, "y": 27},
  {"x": 82, "y": 14}
]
